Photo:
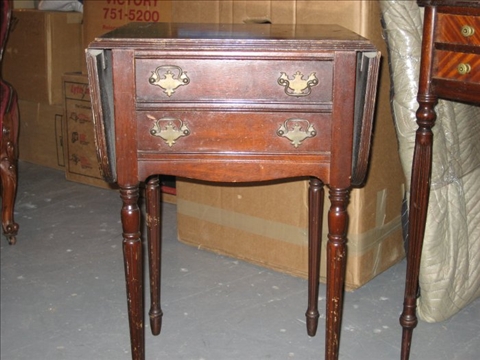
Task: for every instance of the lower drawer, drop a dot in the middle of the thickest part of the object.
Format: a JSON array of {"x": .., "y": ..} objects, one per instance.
[
  {"x": 228, "y": 132},
  {"x": 457, "y": 66}
]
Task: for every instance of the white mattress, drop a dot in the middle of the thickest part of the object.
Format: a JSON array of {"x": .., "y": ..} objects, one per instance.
[{"x": 450, "y": 267}]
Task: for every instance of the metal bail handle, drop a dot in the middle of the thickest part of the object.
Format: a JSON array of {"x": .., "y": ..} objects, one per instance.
[
  {"x": 297, "y": 86},
  {"x": 296, "y": 130},
  {"x": 169, "y": 129},
  {"x": 169, "y": 78}
]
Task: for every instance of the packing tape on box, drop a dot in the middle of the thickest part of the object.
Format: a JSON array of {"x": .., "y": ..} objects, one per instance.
[{"x": 358, "y": 244}]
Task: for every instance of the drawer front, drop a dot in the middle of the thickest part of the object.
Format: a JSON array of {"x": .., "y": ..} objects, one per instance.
[
  {"x": 239, "y": 132},
  {"x": 220, "y": 80},
  {"x": 457, "y": 66},
  {"x": 458, "y": 29}
]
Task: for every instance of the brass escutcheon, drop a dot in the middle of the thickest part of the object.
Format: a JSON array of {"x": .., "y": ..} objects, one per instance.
[
  {"x": 169, "y": 78},
  {"x": 467, "y": 30},
  {"x": 464, "y": 68},
  {"x": 297, "y": 86},
  {"x": 169, "y": 129},
  {"x": 296, "y": 130}
]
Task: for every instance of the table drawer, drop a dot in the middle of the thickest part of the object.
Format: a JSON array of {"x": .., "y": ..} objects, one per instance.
[
  {"x": 458, "y": 29},
  {"x": 239, "y": 80},
  {"x": 239, "y": 132},
  {"x": 457, "y": 66}
]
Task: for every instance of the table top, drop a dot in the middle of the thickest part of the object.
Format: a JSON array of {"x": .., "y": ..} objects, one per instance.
[
  {"x": 463, "y": 3},
  {"x": 260, "y": 36}
]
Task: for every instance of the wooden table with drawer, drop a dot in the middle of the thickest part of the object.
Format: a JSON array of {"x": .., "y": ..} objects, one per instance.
[
  {"x": 449, "y": 69},
  {"x": 233, "y": 103}
]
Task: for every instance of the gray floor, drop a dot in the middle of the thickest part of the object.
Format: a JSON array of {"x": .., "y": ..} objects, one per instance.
[{"x": 63, "y": 294}]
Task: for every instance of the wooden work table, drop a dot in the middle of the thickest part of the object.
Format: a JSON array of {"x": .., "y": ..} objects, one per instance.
[{"x": 233, "y": 103}]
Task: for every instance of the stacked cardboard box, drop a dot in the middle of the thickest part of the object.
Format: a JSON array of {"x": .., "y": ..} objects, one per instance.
[
  {"x": 41, "y": 134},
  {"x": 41, "y": 47},
  {"x": 80, "y": 152}
]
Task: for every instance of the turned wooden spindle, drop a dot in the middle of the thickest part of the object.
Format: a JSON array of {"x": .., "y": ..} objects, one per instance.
[
  {"x": 132, "y": 252},
  {"x": 153, "y": 221},
  {"x": 420, "y": 184},
  {"x": 315, "y": 208},
  {"x": 336, "y": 259}
]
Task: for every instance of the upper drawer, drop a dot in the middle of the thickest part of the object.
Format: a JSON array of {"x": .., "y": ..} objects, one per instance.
[
  {"x": 233, "y": 80},
  {"x": 458, "y": 29}
]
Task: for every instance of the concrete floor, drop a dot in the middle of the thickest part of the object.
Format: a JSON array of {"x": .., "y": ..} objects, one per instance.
[{"x": 63, "y": 294}]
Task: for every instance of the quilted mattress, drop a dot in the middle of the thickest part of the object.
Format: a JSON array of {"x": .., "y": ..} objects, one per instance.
[{"x": 450, "y": 266}]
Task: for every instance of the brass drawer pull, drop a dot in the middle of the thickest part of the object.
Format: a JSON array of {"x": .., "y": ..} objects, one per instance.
[
  {"x": 293, "y": 130},
  {"x": 169, "y": 78},
  {"x": 467, "y": 30},
  {"x": 169, "y": 129},
  {"x": 297, "y": 86},
  {"x": 464, "y": 68}
]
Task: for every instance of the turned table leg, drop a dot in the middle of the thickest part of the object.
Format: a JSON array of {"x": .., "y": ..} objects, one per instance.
[
  {"x": 336, "y": 261},
  {"x": 153, "y": 221},
  {"x": 419, "y": 197},
  {"x": 315, "y": 208},
  {"x": 132, "y": 252},
  {"x": 9, "y": 171},
  {"x": 420, "y": 184}
]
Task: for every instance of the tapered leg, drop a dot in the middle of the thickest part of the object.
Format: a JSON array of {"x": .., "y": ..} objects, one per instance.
[
  {"x": 154, "y": 251},
  {"x": 315, "y": 209},
  {"x": 420, "y": 184},
  {"x": 133, "y": 257},
  {"x": 419, "y": 197},
  {"x": 336, "y": 261},
  {"x": 9, "y": 172}
]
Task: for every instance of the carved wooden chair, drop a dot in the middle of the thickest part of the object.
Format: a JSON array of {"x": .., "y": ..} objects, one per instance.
[{"x": 9, "y": 136}]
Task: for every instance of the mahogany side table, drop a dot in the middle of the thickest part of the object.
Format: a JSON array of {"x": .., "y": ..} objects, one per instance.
[
  {"x": 233, "y": 103},
  {"x": 449, "y": 69}
]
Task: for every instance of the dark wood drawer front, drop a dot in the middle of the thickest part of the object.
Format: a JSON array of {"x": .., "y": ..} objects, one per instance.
[
  {"x": 458, "y": 29},
  {"x": 215, "y": 132},
  {"x": 457, "y": 66},
  {"x": 250, "y": 80}
]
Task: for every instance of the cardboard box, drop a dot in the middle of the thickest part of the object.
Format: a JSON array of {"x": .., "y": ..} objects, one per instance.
[
  {"x": 80, "y": 156},
  {"x": 80, "y": 151},
  {"x": 267, "y": 224},
  {"x": 101, "y": 16},
  {"x": 41, "y": 134},
  {"x": 235, "y": 11},
  {"x": 42, "y": 45},
  {"x": 350, "y": 14}
]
